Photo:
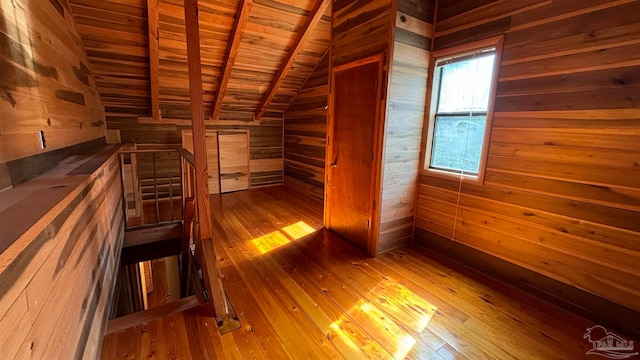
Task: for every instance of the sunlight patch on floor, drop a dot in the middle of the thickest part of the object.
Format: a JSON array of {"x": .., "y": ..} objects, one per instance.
[
  {"x": 281, "y": 237},
  {"x": 394, "y": 309},
  {"x": 405, "y": 344},
  {"x": 403, "y": 304},
  {"x": 271, "y": 241},
  {"x": 298, "y": 230},
  {"x": 402, "y": 341},
  {"x": 344, "y": 336}
]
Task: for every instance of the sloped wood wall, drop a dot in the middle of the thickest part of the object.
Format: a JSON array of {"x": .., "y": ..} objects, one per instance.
[
  {"x": 115, "y": 34},
  {"x": 305, "y": 134},
  {"x": 45, "y": 83},
  {"x": 56, "y": 278},
  {"x": 561, "y": 196},
  {"x": 406, "y": 103},
  {"x": 118, "y": 56}
]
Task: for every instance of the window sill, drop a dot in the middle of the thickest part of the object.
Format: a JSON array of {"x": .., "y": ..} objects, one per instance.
[{"x": 472, "y": 179}]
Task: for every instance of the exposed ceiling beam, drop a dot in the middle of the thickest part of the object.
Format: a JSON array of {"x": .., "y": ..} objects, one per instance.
[
  {"x": 312, "y": 20},
  {"x": 242, "y": 17},
  {"x": 209, "y": 264},
  {"x": 154, "y": 58}
]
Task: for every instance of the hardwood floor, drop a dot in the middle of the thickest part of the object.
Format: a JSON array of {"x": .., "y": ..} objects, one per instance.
[{"x": 302, "y": 292}]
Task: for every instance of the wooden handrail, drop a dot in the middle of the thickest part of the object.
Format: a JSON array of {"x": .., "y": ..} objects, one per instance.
[
  {"x": 187, "y": 155},
  {"x": 141, "y": 151},
  {"x": 205, "y": 253}
]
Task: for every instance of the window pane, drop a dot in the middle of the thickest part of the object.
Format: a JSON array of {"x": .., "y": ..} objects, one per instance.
[
  {"x": 465, "y": 85},
  {"x": 457, "y": 143}
]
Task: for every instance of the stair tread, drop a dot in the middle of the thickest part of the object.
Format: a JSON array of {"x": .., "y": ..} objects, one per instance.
[{"x": 146, "y": 235}]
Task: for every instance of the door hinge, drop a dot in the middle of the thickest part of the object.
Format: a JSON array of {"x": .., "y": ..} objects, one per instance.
[{"x": 366, "y": 224}]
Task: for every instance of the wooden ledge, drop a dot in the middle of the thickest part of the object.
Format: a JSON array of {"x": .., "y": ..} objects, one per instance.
[{"x": 23, "y": 206}]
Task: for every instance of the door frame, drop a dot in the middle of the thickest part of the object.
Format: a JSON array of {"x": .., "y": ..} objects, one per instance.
[{"x": 376, "y": 171}]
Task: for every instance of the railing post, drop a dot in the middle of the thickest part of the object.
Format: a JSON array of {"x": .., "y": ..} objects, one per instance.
[
  {"x": 170, "y": 189},
  {"x": 124, "y": 189},
  {"x": 155, "y": 187},
  {"x": 209, "y": 261}
]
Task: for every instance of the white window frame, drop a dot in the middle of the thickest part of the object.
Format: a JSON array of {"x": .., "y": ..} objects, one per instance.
[{"x": 433, "y": 93}]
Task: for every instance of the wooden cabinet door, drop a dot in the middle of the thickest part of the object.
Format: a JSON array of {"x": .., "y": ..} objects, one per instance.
[
  {"x": 213, "y": 172},
  {"x": 234, "y": 160},
  {"x": 351, "y": 154}
]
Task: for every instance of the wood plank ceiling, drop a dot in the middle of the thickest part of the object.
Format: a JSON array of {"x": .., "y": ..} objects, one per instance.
[{"x": 256, "y": 55}]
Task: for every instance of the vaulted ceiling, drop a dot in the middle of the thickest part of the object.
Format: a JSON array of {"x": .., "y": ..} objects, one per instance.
[{"x": 256, "y": 55}]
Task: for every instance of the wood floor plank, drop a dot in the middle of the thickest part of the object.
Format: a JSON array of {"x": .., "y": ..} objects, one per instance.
[
  {"x": 176, "y": 337},
  {"x": 302, "y": 292},
  {"x": 230, "y": 348},
  {"x": 201, "y": 341},
  {"x": 492, "y": 308},
  {"x": 278, "y": 305},
  {"x": 373, "y": 349},
  {"x": 257, "y": 338}
]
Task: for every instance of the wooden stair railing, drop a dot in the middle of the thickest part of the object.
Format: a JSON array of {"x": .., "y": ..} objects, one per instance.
[
  {"x": 191, "y": 232},
  {"x": 188, "y": 211},
  {"x": 203, "y": 238},
  {"x": 204, "y": 251}
]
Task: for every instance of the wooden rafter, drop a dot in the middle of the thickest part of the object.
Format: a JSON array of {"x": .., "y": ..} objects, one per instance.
[
  {"x": 242, "y": 17},
  {"x": 209, "y": 261},
  {"x": 312, "y": 20},
  {"x": 154, "y": 58}
]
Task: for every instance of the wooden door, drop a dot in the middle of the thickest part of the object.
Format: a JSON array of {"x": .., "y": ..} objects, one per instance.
[
  {"x": 352, "y": 151},
  {"x": 213, "y": 172},
  {"x": 234, "y": 160}
]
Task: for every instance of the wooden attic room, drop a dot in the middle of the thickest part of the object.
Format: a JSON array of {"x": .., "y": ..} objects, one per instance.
[{"x": 315, "y": 179}]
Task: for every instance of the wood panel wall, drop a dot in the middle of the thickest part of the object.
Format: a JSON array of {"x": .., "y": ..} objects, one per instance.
[
  {"x": 360, "y": 29},
  {"x": 45, "y": 83},
  {"x": 56, "y": 278},
  {"x": 406, "y": 103},
  {"x": 403, "y": 31},
  {"x": 266, "y": 163},
  {"x": 305, "y": 134},
  {"x": 265, "y": 149},
  {"x": 561, "y": 196}
]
